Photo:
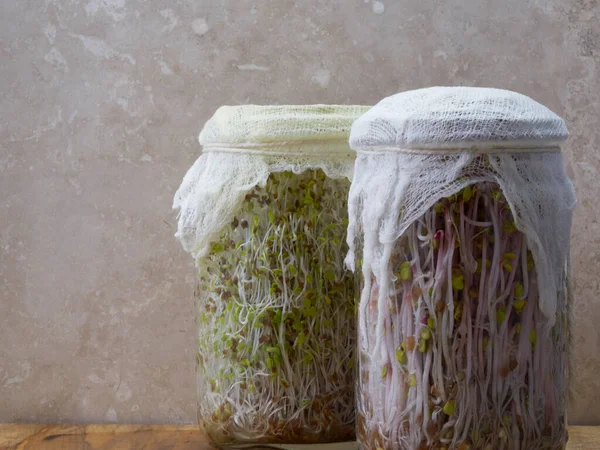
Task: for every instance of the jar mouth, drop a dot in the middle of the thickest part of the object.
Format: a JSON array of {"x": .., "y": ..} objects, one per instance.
[
  {"x": 267, "y": 125},
  {"x": 458, "y": 117},
  {"x": 476, "y": 147},
  {"x": 324, "y": 148}
]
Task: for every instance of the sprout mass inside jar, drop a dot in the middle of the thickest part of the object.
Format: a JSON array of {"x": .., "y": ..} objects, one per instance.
[
  {"x": 456, "y": 353},
  {"x": 276, "y": 332}
]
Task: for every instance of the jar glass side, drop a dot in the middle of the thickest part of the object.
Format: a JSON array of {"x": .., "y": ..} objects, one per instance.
[
  {"x": 459, "y": 355},
  {"x": 276, "y": 332}
]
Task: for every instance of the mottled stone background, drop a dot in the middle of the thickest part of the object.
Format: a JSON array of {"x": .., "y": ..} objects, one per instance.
[{"x": 100, "y": 105}]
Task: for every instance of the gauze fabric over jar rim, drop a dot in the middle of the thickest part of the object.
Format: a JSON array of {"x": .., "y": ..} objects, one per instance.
[
  {"x": 242, "y": 146},
  {"x": 457, "y": 118},
  {"x": 547, "y": 147},
  {"x": 302, "y": 130},
  {"x": 416, "y": 147}
]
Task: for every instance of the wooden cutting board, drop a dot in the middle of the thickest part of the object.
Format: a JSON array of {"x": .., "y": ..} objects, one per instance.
[{"x": 161, "y": 437}]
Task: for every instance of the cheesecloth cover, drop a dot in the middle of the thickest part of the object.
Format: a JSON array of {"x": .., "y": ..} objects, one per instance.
[
  {"x": 242, "y": 146},
  {"x": 417, "y": 147}
]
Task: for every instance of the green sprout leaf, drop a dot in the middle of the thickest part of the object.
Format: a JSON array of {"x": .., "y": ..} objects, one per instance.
[
  {"x": 458, "y": 279},
  {"x": 519, "y": 291},
  {"x": 431, "y": 323},
  {"x": 401, "y": 356},
  {"x": 307, "y": 358},
  {"x": 519, "y": 305},
  {"x": 467, "y": 194},
  {"x": 449, "y": 408},
  {"x": 533, "y": 337},
  {"x": 501, "y": 315},
  {"x": 217, "y": 247},
  {"x": 329, "y": 275}
]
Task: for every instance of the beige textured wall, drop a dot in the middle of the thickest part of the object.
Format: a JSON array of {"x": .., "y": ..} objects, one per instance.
[{"x": 100, "y": 105}]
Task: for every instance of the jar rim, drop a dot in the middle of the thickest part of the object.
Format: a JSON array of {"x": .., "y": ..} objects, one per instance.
[
  {"x": 273, "y": 127},
  {"x": 458, "y": 117}
]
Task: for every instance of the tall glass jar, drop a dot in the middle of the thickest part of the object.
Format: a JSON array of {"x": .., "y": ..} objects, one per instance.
[
  {"x": 461, "y": 212},
  {"x": 264, "y": 213}
]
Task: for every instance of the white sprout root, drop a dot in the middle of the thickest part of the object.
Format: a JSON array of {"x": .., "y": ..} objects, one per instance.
[
  {"x": 276, "y": 334},
  {"x": 464, "y": 359}
]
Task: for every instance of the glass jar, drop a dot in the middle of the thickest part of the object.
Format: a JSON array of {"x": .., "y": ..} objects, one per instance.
[
  {"x": 465, "y": 214},
  {"x": 264, "y": 213}
]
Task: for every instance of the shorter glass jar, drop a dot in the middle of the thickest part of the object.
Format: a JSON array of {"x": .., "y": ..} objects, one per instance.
[{"x": 276, "y": 326}]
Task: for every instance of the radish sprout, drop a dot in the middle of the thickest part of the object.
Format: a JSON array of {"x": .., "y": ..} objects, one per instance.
[{"x": 455, "y": 353}]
